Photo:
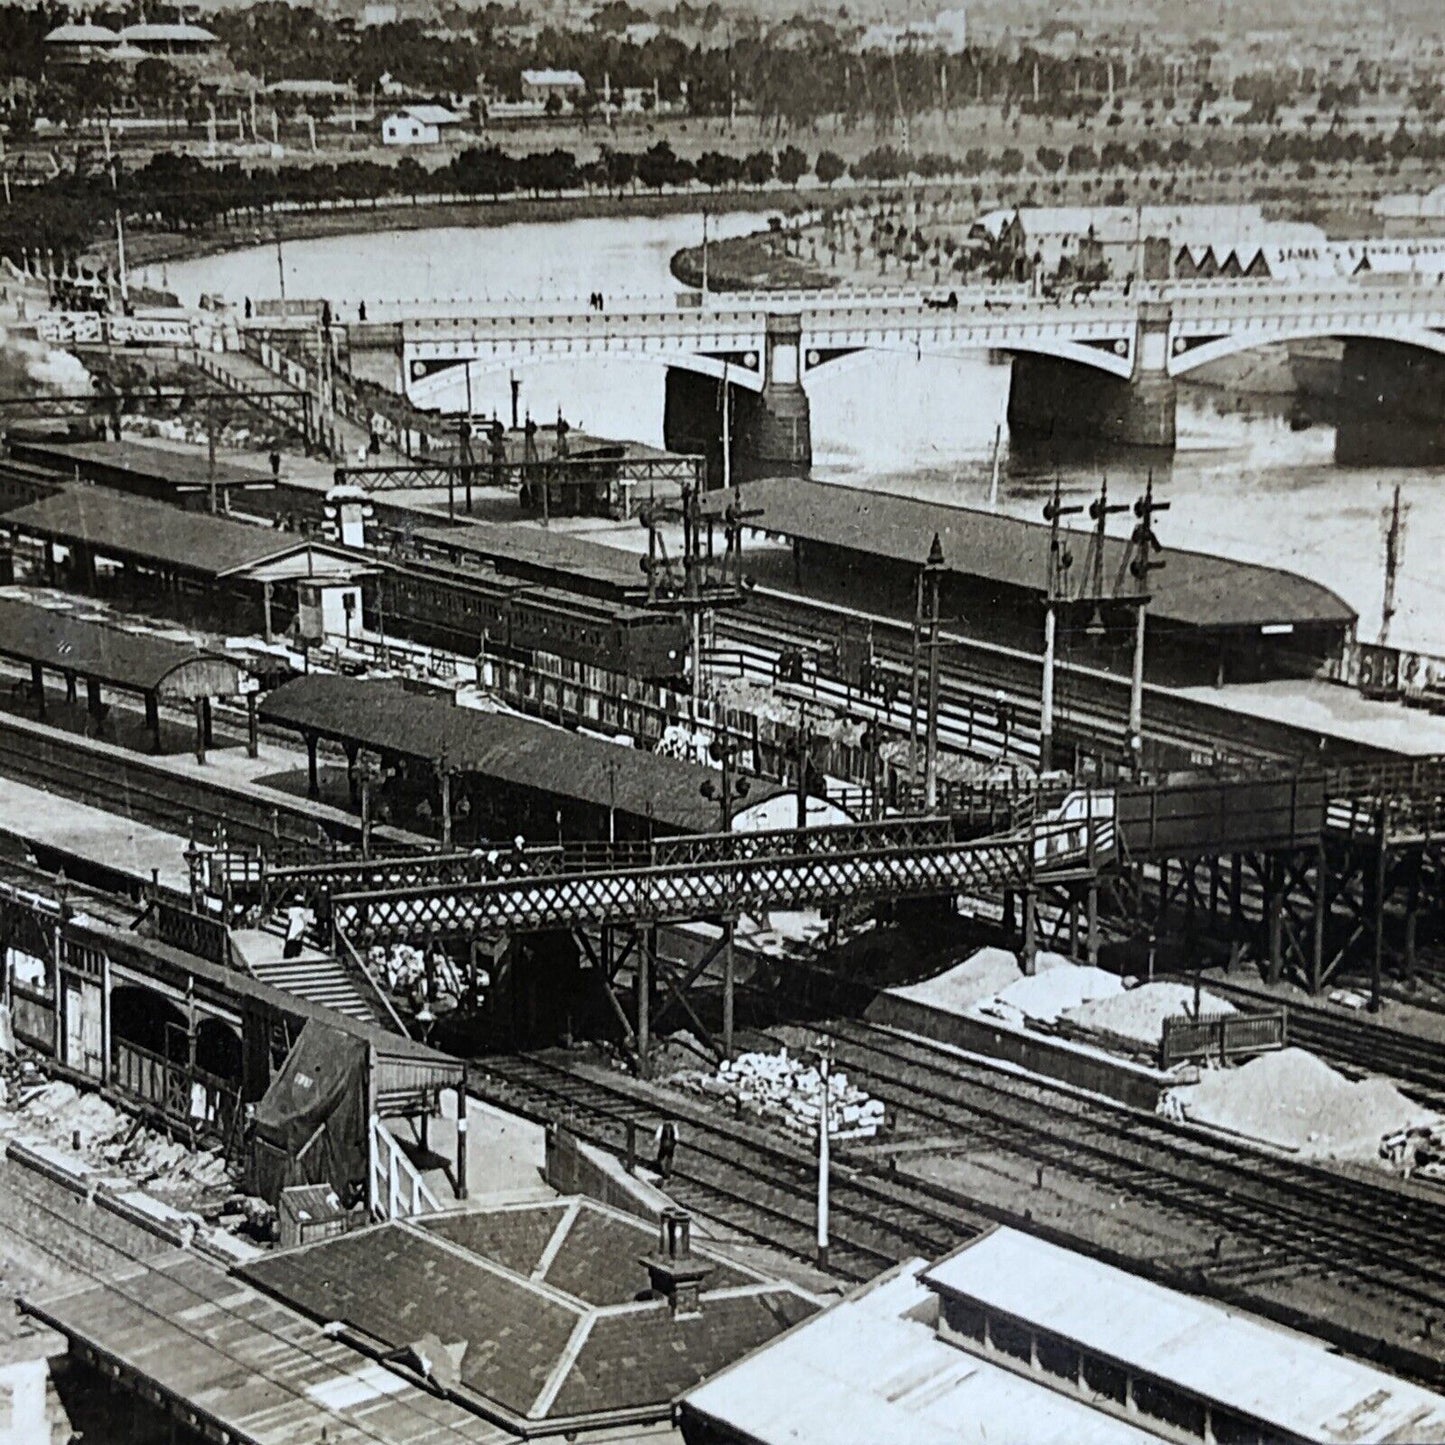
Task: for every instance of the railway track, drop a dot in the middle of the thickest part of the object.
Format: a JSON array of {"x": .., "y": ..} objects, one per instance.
[
  {"x": 1352, "y": 1260},
  {"x": 735, "y": 1175},
  {"x": 1358, "y": 1046},
  {"x": 973, "y": 672},
  {"x": 132, "y": 785}
]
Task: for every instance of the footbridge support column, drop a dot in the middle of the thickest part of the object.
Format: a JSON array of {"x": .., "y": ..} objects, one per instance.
[{"x": 1050, "y": 396}]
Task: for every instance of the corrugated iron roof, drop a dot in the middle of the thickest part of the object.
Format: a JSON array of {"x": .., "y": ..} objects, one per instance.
[
  {"x": 1293, "y": 1384},
  {"x": 1193, "y": 589},
  {"x": 118, "y": 525},
  {"x": 386, "y": 717},
  {"x": 249, "y": 1363},
  {"x": 139, "y": 661}
]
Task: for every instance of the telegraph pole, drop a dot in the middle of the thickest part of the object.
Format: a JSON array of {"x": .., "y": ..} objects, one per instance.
[
  {"x": 1060, "y": 560},
  {"x": 1099, "y": 513},
  {"x": 1394, "y": 556},
  {"x": 933, "y": 572},
  {"x": 1146, "y": 548}
]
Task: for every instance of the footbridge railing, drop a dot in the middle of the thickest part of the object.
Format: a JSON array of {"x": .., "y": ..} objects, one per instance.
[{"x": 741, "y": 876}]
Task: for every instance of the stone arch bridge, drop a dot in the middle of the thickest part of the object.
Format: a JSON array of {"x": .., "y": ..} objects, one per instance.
[{"x": 1106, "y": 362}]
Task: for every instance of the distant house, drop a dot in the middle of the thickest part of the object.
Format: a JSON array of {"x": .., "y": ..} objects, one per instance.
[
  {"x": 417, "y": 125},
  {"x": 539, "y": 86}
]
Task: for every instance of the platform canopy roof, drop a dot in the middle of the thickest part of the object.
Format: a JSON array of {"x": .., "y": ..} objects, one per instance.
[
  {"x": 133, "y": 661},
  {"x": 1287, "y": 1382},
  {"x": 387, "y": 717},
  {"x": 154, "y": 534},
  {"x": 135, "y": 466},
  {"x": 543, "y": 555},
  {"x": 1193, "y": 589},
  {"x": 211, "y": 1345}
]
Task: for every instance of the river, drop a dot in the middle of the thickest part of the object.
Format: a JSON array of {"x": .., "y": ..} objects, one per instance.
[{"x": 1242, "y": 481}]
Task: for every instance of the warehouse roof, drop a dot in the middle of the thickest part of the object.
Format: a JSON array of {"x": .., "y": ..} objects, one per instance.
[
  {"x": 261, "y": 1371},
  {"x": 137, "y": 661},
  {"x": 1193, "y": 589},
  {"x": 387, "y": 717},
  {"x": 548, "y": 1301},
  {"x": 134, "y": 529},
  {"x": 1291, "y": 1383}
]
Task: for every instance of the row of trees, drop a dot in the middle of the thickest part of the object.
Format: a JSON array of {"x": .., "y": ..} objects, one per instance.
[{"x": 179, "y": 193}]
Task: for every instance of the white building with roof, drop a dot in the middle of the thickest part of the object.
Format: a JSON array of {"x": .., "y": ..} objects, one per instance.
[
  {"x": 539, "y": 86},
  {"x": 1014, "y": 1339},
  {"x": 418, "y": 125},
  {"x": 79, "y": 43}
]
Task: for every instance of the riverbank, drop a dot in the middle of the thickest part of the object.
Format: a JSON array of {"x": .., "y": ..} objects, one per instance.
[{"x": 153, "y": 248}]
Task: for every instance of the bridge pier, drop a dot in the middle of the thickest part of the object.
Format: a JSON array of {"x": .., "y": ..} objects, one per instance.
[
  {"x": 1391, "y": 404},
  {"x": 775, "y": 429},
  {"x": 1053, "y": 397}
]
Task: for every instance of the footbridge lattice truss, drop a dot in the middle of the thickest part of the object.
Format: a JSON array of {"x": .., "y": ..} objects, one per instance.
[{"x": 727, "y": 875}]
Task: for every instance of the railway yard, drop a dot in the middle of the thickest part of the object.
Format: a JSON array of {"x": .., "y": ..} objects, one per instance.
[{"x": 702, "y": 891}]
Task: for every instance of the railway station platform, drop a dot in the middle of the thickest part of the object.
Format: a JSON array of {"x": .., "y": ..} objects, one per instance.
[
  {"x": 1331, "y": 710},
  {"x": 87, "y": 841}
]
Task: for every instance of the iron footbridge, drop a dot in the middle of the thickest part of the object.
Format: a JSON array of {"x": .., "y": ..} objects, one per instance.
[{"x": 727, "y": 875}]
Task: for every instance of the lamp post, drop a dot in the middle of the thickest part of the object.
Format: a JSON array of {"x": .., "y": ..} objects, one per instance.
[
  {"x": 724, "y": 750},
  {"x": 369, "y": 774},
  {"x": 824, "y": 1054}
]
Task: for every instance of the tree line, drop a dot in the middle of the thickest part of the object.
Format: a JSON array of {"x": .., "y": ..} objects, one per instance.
[{"x": 178, "y": 193}]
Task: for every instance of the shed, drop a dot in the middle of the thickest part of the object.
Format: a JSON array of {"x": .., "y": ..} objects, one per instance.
[
  {"x": 417, "y": 125},
  {"x": 163, "y": 474},
  {"x": 156, "y": 668},
  {"x": 1204, "y": 610},
  {"x": 184, "y": 548}
]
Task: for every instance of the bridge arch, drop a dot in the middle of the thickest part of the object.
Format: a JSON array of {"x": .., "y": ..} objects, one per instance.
[
  {"x": 444, "y": 373},
  {"x": 1186, "y": 358},
  {"x": 1104, "y": 358}
]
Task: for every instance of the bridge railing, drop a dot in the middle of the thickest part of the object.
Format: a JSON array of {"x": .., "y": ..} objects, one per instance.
[{"x": 729, "y": 886}]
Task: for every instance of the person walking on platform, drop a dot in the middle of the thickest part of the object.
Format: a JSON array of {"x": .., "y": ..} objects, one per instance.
[{"x": 666, "y": 1140}]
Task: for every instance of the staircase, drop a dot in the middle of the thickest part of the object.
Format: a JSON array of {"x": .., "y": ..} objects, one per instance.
[{"x": 318, "y": 977}]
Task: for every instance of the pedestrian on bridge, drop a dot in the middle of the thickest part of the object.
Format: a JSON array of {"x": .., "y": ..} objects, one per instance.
[
  {"x": 666, "y": 1140},
  {"x": 298, "y": 919}
]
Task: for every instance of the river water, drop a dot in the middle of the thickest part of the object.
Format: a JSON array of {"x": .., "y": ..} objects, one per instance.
[{"x": 1242, "y": 482}]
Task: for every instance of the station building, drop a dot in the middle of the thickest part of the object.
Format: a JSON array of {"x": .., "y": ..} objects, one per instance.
[{"x": 1015, "y": 1338}]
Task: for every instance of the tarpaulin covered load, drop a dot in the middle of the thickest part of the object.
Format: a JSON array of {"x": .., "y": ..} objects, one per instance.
[{"x": 311, "y": 1126}]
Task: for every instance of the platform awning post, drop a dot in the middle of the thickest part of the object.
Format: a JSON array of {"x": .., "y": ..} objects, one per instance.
[
  {"x": 153, "y": 720},
  {"x": 444, "y": 776},
  {"x": 646, "y": 944},
  {"x": 729, "y": 987},
  {"x": 199, "y": 707},
  {"x": 253, "y": 728},
  {"x": 266, "y": 631},
  {"x": 37, "y": 687},
  {"x": 462, "y": 1134}
]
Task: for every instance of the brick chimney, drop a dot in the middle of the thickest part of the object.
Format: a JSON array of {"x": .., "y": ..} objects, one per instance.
[{"x": 675, "y": 1271}]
